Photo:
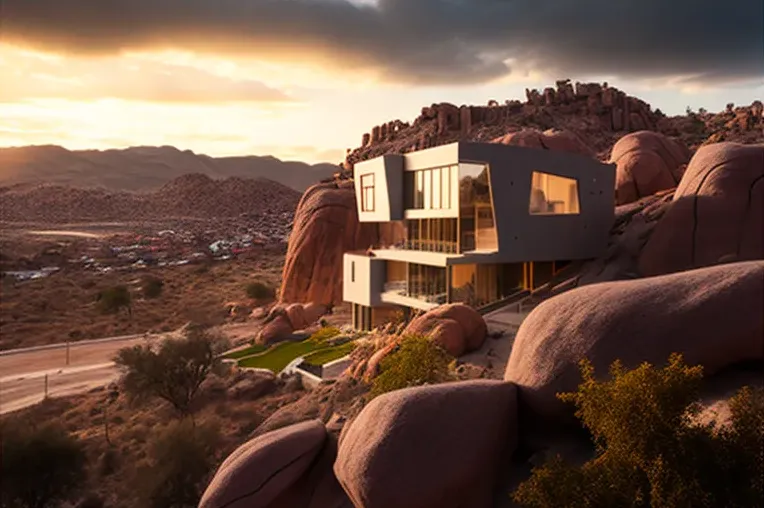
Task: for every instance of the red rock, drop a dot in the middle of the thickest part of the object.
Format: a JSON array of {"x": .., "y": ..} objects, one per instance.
[
  {"x": 717, "y": 212},
  {"x": 325, "y": 227},
  {"x": 456, "y": 327},
  {"x": 647, "y": 162},
  {"x": 259, "y": 471},
  {"x": 712, "y": 316},
  {"x": 429, "y": 446},
  {"x": 551, "y": 139}
]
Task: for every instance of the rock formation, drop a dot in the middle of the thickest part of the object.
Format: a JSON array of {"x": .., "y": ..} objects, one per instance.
[
  {"x": 716, "y": 215},
  {"x": 259, "y": 471},
  {"x": 564, "y": 141},
  {"x": 456, "y": 327},
  {"x": 284, "y": 319},
  {"x": 711, "y": 315},
  {"x": 429, "y": 446},
  {"x": 647, "y": 162}
]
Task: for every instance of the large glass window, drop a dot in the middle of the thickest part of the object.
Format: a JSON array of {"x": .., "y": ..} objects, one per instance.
[
  {"x": 478, "y": 231},
  {"x": 429, "y": 189},
  {"x": 367, "y": 192},
  {"x": 553, "y": 195},
  {"x": 432, "y": 235}
]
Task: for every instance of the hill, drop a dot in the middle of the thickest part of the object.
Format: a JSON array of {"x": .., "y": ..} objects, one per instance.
[
  {"x": 144, "y": 168},
  {"x": 597, "y": 113},
  {"x": 189, "y": 196}
]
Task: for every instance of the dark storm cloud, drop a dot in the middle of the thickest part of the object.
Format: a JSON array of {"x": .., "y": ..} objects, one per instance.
[{"x": 422, "y": 41}]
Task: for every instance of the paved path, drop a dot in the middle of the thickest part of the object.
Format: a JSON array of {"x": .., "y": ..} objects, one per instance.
[{"x": 22, "y": 374}]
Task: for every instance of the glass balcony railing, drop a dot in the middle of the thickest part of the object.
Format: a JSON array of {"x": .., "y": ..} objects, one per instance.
[
  {"x": 440, "y": 246},
  {"x": 401, "y": 288}
]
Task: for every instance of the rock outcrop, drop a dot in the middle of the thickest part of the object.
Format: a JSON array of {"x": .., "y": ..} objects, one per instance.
[
  {"x": 551, "y": 139},
  {"x": 456, "y": 327},
  {"x": 716, "y": 215},
  {"x": 429, "y": 446},
  {"x": 712, "y": 316},
  {"x": 284, "y": 319},
  {"x": 325, "y": 227},
  {"x": 259, "y": 471},
  {"x": 647, "y": 162}
]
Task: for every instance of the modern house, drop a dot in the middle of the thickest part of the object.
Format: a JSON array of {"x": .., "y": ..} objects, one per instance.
[{"x": 483, "y": 222}]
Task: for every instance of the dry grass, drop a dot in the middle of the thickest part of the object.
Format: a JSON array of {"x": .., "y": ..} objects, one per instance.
[
  {"x": 113, "y": 469},
  {"x": 63, "y": 306}
]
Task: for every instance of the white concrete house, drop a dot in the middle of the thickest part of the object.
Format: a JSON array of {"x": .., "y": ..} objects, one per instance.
[{"x": 483, "y": 222}]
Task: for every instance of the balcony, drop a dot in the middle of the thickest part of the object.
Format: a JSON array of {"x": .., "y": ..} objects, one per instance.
[
  {"x": 440, "y": 246},
  {"x": 400, "y": 288}
]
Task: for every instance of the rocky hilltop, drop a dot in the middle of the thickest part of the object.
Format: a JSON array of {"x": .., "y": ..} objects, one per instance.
[
  {"x": 144, "y": 168},
  {"x": 194, "y": 196},
  {"x": 598, "y": 113}
]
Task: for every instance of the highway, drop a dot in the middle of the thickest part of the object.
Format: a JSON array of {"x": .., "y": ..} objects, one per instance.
[{"x": 23, "y": 372}]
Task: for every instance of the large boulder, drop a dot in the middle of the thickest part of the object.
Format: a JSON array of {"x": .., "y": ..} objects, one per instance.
[
  {"x": 456, "y": 327},
  {"x": 712, "y": 316},
  {"x": 717, "y": 213},
  {"x": 325, "y": 227},
  {"x": 259, "y": 471},
  {"x": 284, "y": 319},
  {"x": 435, "y": 446},
  {"x": 647, "y": 162},
  {"x": 551, "y": 139}
]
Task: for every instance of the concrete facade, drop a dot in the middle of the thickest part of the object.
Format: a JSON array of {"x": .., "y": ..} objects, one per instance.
[{"x": 574, "y": 226}]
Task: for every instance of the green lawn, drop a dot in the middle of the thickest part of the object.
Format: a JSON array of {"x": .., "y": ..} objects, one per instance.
[
  {"x": 251, "y": 350},
  {"x": 326, "y": 355},
  {"x": 280, "y": 355}
]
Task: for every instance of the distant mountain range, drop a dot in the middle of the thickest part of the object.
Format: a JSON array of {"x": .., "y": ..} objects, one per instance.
[{"x": 144, "y": 168}]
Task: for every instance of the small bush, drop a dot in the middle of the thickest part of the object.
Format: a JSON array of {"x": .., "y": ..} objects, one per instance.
[
  {"x": 651, "y": 451},
  {"x": 174, "y": 371},
  {"x": 324, "y": 334},
  {"x": 152, "y": 287},
  {"x": 180, "y": 459},
  {"x": 417, "y": 361},
  {"x": 324, "y": 323},
  {"x": 259, "y": 291},
  {"x": 113, "y": 299},
  {"x": 41, "y": 466}
]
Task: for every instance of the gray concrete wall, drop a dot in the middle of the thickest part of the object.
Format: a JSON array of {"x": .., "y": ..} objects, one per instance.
[{"x": 526, "y": 237}]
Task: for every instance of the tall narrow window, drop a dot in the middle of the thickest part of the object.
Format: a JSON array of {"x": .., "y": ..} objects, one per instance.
[
  {"x": 352, "y": 271},
  {"x": 367, "y": 192},
  {"x": 553, "y": 195},
  {"x": 436, "y": 189},
  {"x": 427, "y": 189}
]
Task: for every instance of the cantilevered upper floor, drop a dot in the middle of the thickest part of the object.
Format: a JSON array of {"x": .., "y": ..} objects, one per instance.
[{"x": 491, "y": 201}]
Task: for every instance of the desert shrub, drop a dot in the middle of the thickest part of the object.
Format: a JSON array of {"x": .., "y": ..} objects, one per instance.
[
  {"x": 259, "y": 291},
  {"x": 113, "y": 299},
  {"x": 324, "y": 323},
  {"x": 152, "y": 287},
  {"x": 41, "y": 466},
  {"x": 180, "y": 459},
  {"x": 323, "y": 334},
  {"x": 174, "y": 371},
  {"x": 652, "y": 452},
  {"x": 417, "y": 361}
]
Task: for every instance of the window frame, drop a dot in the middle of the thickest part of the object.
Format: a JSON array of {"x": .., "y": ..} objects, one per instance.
[
  {"x": 543, "y": 188},
  {"x": 367, "y": 191}
]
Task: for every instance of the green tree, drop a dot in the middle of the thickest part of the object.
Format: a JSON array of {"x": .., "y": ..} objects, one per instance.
[
  {"x": 174, "y": 371},
  {"x": 41, "y": 465},
  {"x": 180, "y": 459},
  {"x": 417, "y": 361},
  {"x": 259, "y": 291},
  {"x": 112, "y": 299},
  {"x": 651, "y": 450}
]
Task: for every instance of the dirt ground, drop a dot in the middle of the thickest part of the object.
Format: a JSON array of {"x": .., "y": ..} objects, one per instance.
[{"x": 62, "y": 307}]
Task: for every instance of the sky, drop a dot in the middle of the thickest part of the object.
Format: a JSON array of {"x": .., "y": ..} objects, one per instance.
[{"x": 304, "y": 79}]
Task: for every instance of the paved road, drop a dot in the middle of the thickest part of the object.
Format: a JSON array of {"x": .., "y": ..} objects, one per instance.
[{"x": 22, "y": 375}]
